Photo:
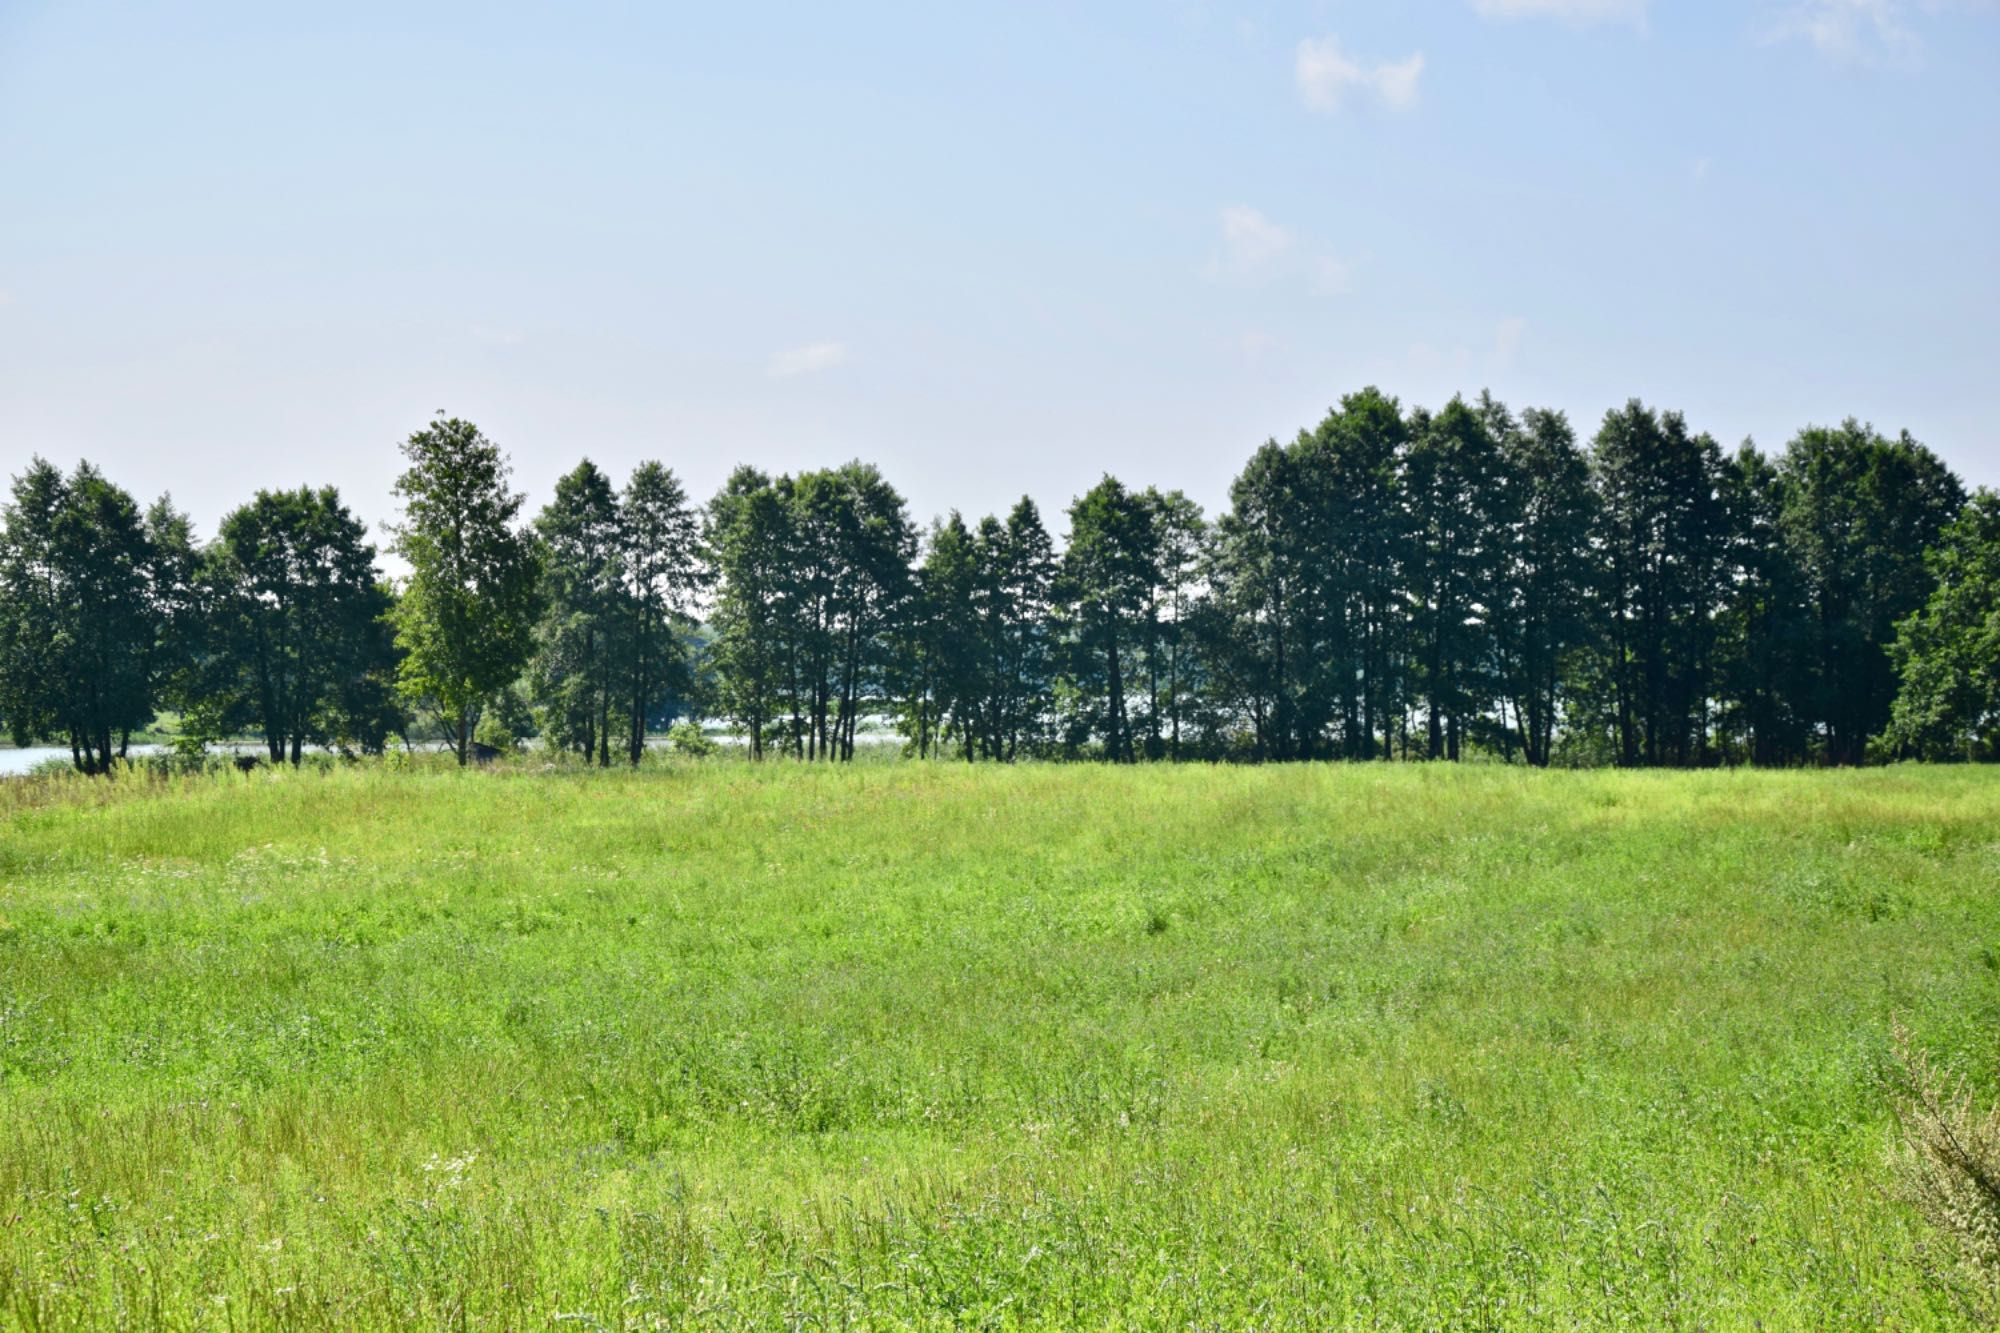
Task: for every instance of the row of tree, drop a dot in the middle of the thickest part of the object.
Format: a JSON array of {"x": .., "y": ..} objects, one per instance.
[{"x": 1390, "y": 584}]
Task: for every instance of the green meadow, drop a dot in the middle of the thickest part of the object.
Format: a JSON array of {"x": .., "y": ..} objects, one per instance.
[{"x": 716, "y": 1044}]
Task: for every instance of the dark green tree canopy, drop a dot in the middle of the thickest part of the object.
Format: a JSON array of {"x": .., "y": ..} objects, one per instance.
[
  {"x": 466, "y": 619},
  {"x": 1948, "y": 650},
  {"x": 296, "y": 642},
  {"x": 1108, "y": 574},
  {"x": 88, "y": 594},
  {"x": 662, "y": 561},
  {"x": 1391, "y": 583},
  {"x": 1857, "y": 512},
  {"x": 581, "y": 641}
]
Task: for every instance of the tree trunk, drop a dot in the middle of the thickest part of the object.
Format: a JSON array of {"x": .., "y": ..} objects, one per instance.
[
  {"x": 850, "y": 692},
  {"x": 1119, "y": 747},
  {"x": 635, "y": 741}
]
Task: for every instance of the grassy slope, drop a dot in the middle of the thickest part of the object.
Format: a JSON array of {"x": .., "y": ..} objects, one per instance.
[{"x": 1043, "y": 1045}]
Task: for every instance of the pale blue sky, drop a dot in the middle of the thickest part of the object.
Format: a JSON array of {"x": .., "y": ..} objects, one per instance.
[{"x": 991, "y": 248}]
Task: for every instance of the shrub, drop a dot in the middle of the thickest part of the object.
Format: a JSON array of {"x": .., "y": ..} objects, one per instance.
[
  {"x": 498, "y": 732},
  {"x": 1950, "y": 1157},
  {"x": 687, "y": 739}
]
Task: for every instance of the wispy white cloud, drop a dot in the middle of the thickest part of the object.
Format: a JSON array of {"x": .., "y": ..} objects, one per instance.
[
  {"x": 1569, "y": 11},
  {"x": 807, "y": 360},
  {"x": 1850, "y": 31},
  {"x": 1251, "y": 241},
  {"x": 498, "y": 335},
  {"x": 1876, "y": 33},
  {"x": 1329, "y": 78},
  {"x": 1462, "y": 353},
  {"x": 1255, "y": 345},
  {"x": 1427, "y": 358},
  {"x": 1331, "y": 276},
  {"x": 1253, "y": 248}
]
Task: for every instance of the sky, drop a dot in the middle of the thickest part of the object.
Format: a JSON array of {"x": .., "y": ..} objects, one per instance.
[{"x": 994, "y": 249}]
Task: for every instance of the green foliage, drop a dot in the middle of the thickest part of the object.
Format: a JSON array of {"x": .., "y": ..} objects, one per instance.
[
  {"x": 507, "y": 723},
  {"x": 816, "y": 581},
  {"x": 1306, "y": 632},
  {"x": 466, "y": 618},
  {"x": 1947, "y": 653},
  {"x": 975, "y": 654},
  {"x": 1765, "y": 629},
  {"x": 1109, "y": 570},
  {"x": 1394, "y": 583},
  {"x": 1858, "y": 513},
  {"x": 687, "y": 739},
  {"x": 581, "y": 642},
  {"x": 664, "y": 572},
  {"x": 1950, "y": 1160},
  {"x": 1456, "y": 492},
  {"x": 621, "y": 575},
  {"x": 295, "y": 640},
  {"x": 91, "y": 599},
  {"x": 947, "y": 1045},
  {"x": 1664, "y": 532},
  {"x": 1541, "y": 620},
  {"x": 941, "y": 652},
  {"x": 749, "y": 536}
]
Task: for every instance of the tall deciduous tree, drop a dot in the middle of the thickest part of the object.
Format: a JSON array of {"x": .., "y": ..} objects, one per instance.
[
  {"x": 294, "y": 610},
  {"x": 1663, "y": 532},
  {"x": 664, "y": 569},
  {"x": 1183, "y": 535},
  {"x": 1307, "y": 623},
  {"x": 1858, "y": 513},
  {"x": 945, "y": 663},
  {"x": 1948, "y": 651},
  {"x": 467, "y": 615},
  {"x": 750, "y": 535},
  {"x": 1109, "y": 572},
  {"x": 1456, "y": 496},
  {"x": 85, "y": 596},
  {"x": 1256, "y": 576},
  {"x": 575, "y": 672},
  {"x": 816, "y": 579},
  {"x": 1766, "y": 626},
  {"x": 1547, "y": 574},
  {"x": 1020, "y": 632},
  {"x": 977, "y": 657}
]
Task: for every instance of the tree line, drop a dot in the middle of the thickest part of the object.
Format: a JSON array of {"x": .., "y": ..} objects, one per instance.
[{"x": 1391, "y": 584}]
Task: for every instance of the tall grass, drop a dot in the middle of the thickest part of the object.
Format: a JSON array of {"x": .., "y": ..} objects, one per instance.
[{"x": 724, "y": 1044}]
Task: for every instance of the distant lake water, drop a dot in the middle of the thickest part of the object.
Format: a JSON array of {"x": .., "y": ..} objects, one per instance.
[
  {"x": 18, "y": 763},
  {"x": 14, "y": 763}
]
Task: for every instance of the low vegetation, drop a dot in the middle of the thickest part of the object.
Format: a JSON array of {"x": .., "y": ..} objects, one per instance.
[
  {"x": 1950, "y": 1160},
  {"x": 751, "y": 1045}
]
